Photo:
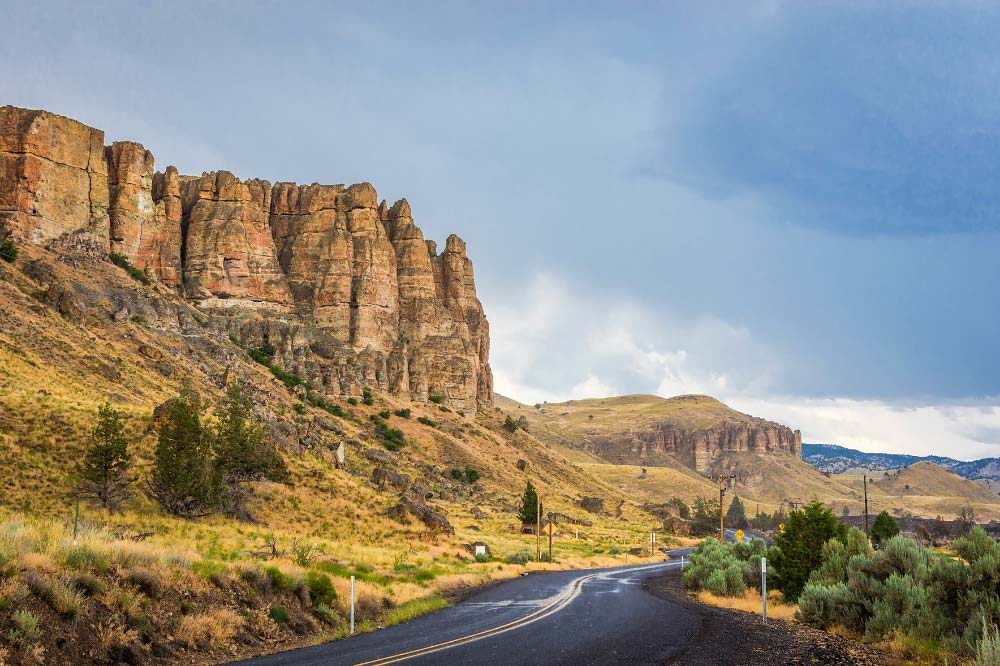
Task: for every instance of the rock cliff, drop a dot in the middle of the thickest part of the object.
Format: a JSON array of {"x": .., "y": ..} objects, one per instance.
[
  {"x": 343, "y": 286},
  {"x": 694, "y": 430}
]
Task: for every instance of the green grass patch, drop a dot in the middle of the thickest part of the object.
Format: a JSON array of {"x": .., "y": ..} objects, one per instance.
[
  {"x": 360, "y": 572},
  {"x": 415, "y": 608}
]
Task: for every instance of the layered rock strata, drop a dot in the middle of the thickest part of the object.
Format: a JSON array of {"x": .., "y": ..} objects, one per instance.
[
  {"x": 698, "y": 448},
  {"x": 344, "y": 287}
]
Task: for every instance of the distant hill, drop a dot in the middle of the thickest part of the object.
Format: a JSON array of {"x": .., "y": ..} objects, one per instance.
[{"x": 836, "y": 459}]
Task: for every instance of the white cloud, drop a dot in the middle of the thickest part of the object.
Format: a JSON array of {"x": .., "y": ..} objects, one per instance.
[{"x": 551, "y": 344}]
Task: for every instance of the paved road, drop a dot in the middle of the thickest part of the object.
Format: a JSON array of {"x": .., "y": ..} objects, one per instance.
[{"x": 570, "y": 617}]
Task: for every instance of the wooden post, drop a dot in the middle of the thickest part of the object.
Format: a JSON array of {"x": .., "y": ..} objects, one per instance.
[
  {"x": 866, "y": 502},
  {"x": 550, "y": 537},
  {"x": 538, "y": 528}
]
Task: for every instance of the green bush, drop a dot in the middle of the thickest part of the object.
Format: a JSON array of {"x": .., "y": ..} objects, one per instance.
[
  {"x": 427, "y": 422},
  {"x": 403, "y": 413},
  {"x": 510, "y": 425},
  {"x": 522, "y": 557},
  {"x": 385, "y": 414},
  {"x": 280, "y": 581},
  {"x": 352, "y": 401},
  {"x": 436, "y": 399},
  {"x": 321, "y": 589},
  {"x": 325, "y": 405},
  {"x": 299, "y": 408},
  {"x": 122, "y": 261},
  {"x": 26, "y": 630},
  {"x": 278, "y": 614},
  {"x": 8, "y": 251},
  {"x": 908, "y": 590},
  {"x": 465, "y": 475},
  {"x": 367, "y": 397},
  {"x": 391, "y": 438},
  {"x": 716, "y": 568}
]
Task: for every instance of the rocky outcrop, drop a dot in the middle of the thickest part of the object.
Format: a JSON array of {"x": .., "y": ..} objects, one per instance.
[
  {"x": 144, "y": 211},
  {"x": 700, "y": 448},
  {"x": 53, "y": 177},
  {"x": 345, "y": 288}
]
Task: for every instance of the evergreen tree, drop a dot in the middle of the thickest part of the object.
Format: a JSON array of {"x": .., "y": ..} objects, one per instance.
[
  {"x": 705, "y": 519},
  {"x": 103, "y": 473},
  {"x": 736, "y": 516},
  {"x": 530, "y": 506},
  {"x": 884, "y": 528},
  {"x": 242, "y": 450},
  {"x": 798, "y": 547},
  {"x": 185, "y": 480}
]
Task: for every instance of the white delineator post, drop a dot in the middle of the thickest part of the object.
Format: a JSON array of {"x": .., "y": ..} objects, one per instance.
[
  {"x": 763, "y": 587},
  {"x": 352, "y": 605}
]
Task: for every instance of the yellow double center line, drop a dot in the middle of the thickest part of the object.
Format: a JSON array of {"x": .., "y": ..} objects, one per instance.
[{"x": 563, "y": 600}]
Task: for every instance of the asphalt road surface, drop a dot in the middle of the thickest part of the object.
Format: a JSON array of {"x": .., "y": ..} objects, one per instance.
[{"x": 601, "y": 616}]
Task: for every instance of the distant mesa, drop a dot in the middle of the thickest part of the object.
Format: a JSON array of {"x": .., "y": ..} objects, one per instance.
[
  {"x": 353, "y": 293},
  {"x": 696, "y": 431}
]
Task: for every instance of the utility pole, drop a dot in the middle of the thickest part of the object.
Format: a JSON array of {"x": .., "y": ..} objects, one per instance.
[
  {"x": 865, "y": 477},
  {"x": 550, "y": 537},
  {"x": 722, "y": 493},
  {"x": 538, "y": 528}
]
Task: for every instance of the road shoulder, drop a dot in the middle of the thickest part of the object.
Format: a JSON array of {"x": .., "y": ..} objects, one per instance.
[{"x": 733, "y": 638}]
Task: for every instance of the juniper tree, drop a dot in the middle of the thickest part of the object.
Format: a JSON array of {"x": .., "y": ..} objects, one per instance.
[
  {"x": 104, "y": 472},
  {"x": 736, "y": 515},
  {"x": 884, "y": 528},
  {"x": 186, "y": 480},
  {"x": 530, "y": 506},
  {"x": 243, "y": 451},
  {"x": 799, "y": 546}
]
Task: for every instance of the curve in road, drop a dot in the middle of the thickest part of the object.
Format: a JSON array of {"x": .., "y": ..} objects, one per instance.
[{"x": 596, "y": 616}]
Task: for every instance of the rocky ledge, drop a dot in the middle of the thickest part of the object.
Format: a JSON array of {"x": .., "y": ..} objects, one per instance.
[{"x": 344, "y": 287}]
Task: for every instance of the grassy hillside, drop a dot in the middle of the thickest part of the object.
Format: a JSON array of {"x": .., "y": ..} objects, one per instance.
[{"x": 61, "y": 357}]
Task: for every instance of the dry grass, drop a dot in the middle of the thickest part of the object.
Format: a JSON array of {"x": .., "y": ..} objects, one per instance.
[
  {"x": 214, "y": 628},
  {"x": 750, "y": 602}
]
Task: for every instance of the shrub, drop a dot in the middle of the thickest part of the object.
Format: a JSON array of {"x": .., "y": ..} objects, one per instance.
[
  {"x": 367, "y": 397},
  {"x": 8, "y": 251},
  {"x": 280, "y": 581},
  {"x": 988, "y": 648},
  {"x": 436, "y": 399},
  {"x": 403, "y": 413},
  {"x": 329, "y": 407},
  {"x": 278, "y": 614},
  {"x": 138, "y": 320},
  {"x": 214, "y": 628},
  {"x": 122, "y": 261},
  {"x": 215, "y": 572},
  {"x": 321, "y": 589},
  {"x": 391, "y": 438},
  {"x": 716, "y": 568},
  {"x": 352, "y": 401},
  {"x": 146, "y": 580},
  {"x": 88, "y": 584},
  {"x": 26, "y": 630},
  {"x": 510, "y": 425},
  {"x": 304, "y": 552},
  {"x": 427, "y": 422},
  {"x": 465, "y": 475},
  {"x": 299, "y": 408},
  {"x": 522, "y": 557},
  {"x": 483, "y": 557},
  {"x": 385, "y": 414}
]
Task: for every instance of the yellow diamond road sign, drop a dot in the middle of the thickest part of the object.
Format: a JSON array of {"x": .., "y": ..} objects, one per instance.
[{"x": 739, "y": 536}]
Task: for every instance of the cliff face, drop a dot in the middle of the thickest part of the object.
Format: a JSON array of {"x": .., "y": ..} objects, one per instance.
[
  {"x": 694, "y": 430},
  {"x": 344, "y": 287},
  {"x": 701, "y": 448}
]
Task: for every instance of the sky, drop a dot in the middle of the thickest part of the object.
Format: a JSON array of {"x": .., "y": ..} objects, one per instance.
[{"x": 792, "y": 206}]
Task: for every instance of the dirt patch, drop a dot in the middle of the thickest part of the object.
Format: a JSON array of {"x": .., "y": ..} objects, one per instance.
[{"x": 733, "y": 638}]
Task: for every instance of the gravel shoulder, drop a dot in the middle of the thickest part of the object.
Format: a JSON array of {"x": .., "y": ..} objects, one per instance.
[{"x": 734, "y": 638}]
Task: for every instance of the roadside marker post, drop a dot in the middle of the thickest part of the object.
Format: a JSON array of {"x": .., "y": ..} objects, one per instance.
[
  {"x": 352, "y": 605},
  {"x": 763, "y": 587}
]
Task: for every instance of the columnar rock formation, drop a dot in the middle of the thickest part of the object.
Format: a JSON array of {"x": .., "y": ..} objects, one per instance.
[
  {"x": 700, "y": 448},
  {"x": 345, "y": 288}
]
